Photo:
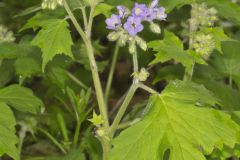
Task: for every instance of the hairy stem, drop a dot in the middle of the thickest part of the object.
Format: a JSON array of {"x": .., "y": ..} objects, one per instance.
[
  {"x": 92, "y": 61},
  {"x": 123, "y": 108},
  {"x": 111, "y": 72},
  {"x": 146, "y": 88}
]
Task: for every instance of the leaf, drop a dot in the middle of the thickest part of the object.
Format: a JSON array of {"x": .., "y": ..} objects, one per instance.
[
  {"x": 40, "y": 18},
  {"x": 228, "y": 63},
  {"x": 104, "y": 9},
  {"x": 54, "y": 38},
  {"x": 76, "y": 4},
  {"x": 28, "y": 70},
  {"x": 170, "y": 48},
  {"x": 13, "y": 50},
  {"x": 229, "y": 97},
  {"x": 8, "y": 139},
  {"x": 175, "y": 124},
  {"x": 21, "y": 99}
]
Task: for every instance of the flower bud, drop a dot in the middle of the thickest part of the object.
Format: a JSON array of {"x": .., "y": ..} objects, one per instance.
[
  {"x": 141, "y": 43},
  {"x": 123, "y": 40},
  {"x": 113, "y": 36},
  {"x": 155, "y": 28},
  {"x": 142, "y": 76}
]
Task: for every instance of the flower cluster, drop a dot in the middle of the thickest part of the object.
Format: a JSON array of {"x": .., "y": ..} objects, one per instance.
[
  {"x": 6, "y": 35},
  {"x": 51, "y": 4},
  {"x": 128, "y": 23},
  {"x": 204, "y": 44},
  {"x": 202, "y": 16}
]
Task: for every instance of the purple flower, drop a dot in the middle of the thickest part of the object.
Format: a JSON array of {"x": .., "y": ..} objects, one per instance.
[
  {"x": 133, "y": 25},
  {"x": 113, "y": 22},
  {"x": 154, "y": 4},
  {"x": 122, "y": 10},
  {"x": 160, "y": 13},
  {"x": 150, "y": 15},
  {"x": 140, "y": 10}
]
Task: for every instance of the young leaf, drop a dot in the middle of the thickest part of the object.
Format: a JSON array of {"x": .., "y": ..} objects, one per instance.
[
  {"x": 21, "y": 99},
  {"x": 174, "y": 123},
  {"x": 169, "y": 48},
  {"x": 54, "y": 38},
  {"x": 8, "y": 139}
]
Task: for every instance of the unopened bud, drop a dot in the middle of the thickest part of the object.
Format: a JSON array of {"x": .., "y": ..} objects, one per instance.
[
  {"x": 132, "y": 48},
  {"x": 141, "y": 43},
  {"x": 113, "y": 36},
  {"x": 155, "y": 28}
]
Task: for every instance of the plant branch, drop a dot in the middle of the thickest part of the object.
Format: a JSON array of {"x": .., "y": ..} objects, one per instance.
[
  {"x": 111, "y": 72},
  {"x": 83, "y": 9},
  {"x": 59, "y": 145},
  {"x": 92, "y": 61},
  {"x": 146, "y": 88},
  {"x": 123, "y": 108}
]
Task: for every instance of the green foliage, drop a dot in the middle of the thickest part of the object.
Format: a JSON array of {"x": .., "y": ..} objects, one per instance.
[
  {"x": 170, "y": 48},
  {"x": 175, "y": 123},
  {"x": 104, "y": 9},
  {"x": 228, "y": 62},
  {"x": 21, "y": 99},
  {"x": 54, "y": 38},
  {"x": 8, "y": 139}
]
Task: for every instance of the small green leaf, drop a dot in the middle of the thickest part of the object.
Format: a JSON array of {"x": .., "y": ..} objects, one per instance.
[
  {"x": 174, "y": 123},
  {"x": 8, "y": 139},
  {"x": 21, "y": 99},
  {"x": 54, "y": 38},
  {"x": 170, "y": 48},
  {"x": 104, "y": 9}
]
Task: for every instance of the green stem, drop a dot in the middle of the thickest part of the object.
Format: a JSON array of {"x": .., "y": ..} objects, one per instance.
[
  {"x": 92, "y": 61},
  {"x": 76, "y": 134},
  {"x": 123, "y": 108},
  {"x": 83, "y": 9},
  {"x": 135, "y": 62},
  {"x": 59, "y": 145},
  {"x": 189, "y": 73},
  {"x": 111, "y": 72},
  {"x": 22, "y": 135},
  {"x": 90, "y": 22},
  {"x": 77, "y": 81},
  {"x": 128, "y": 124},
  {"x": 146, "y": 88}
]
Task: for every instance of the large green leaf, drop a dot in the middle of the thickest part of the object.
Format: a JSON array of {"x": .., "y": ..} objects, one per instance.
[
  {"x": 174, "y": 123},
  {"x": 104, "y": 9},
  {"x": 169, "y": 48},
  {"x": 8, "y": 139},
  {"x": 21, "y": 99},
  {"x": 54, "y": 38}
]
